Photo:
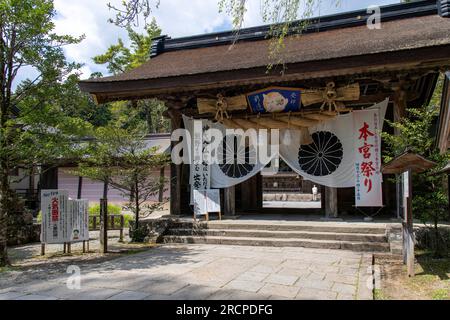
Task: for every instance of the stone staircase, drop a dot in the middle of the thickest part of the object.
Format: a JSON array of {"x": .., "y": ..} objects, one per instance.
[{"x": 324, "y": 235}]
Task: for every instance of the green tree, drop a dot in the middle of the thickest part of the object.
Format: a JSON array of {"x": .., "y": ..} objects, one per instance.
[
  {"x": 77, "y": 104},
  {"x": 430, "y": 203},
  {"x": 121, "y": 160},
  {"x": 33, "y": 130},
  {"x": 120, "y": 58}
]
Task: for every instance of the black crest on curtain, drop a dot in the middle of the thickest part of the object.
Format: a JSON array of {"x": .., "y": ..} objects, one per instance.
[
  {"x": 322, "y": 157},
  {"x": 237, "y": 159}
]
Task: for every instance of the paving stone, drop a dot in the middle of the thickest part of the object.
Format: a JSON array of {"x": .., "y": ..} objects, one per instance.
[
  {"x": 10, "y": 295},
  {"x": 343, "y": 296},
  {"x": 348, "y": 271},
  {"x": 340, "y": 278},
  {"x": 164, "y": 287},
  {"x": 295, "y": 264},
  {"x": 38, "y": 286},
  {"x": 315, "y": 294},
  {"x": 35, "y": 297},
  {"x": 350, "y": 262},
  {"x": 279, "y": 298},
  {"x": 122, "y": 281},
  {"x": 281, "y": 279},
  {"x": 324, "y": 269},
  {"x": 5, "y": 290},
  {"x": 315, "y": 284},
  {"x": 224, "y": 272},
  {"x": 315, "y": 276},
  {"x": 243, "y": 285},
  {"x": 244, "y": 295},
  {"x": 222, "y": 294},
  {"x": 62, "y": 292},
  {"x": 252, "y": 276},
  {"x": 293, "y": 272},
  {"x": 95, "y": 294},
  {"x": 129, "y": 295},
  {"x": 158, "y": 297},
  {"x": 279, "y": 290},
  {"x": 344, "y": 288},
  {"x": 194, "y": 292}
]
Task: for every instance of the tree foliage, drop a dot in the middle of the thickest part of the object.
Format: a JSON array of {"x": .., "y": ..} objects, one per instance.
[
  {"x": 33, "y": 127},
  {"x": 121, "y": 159},
  {"x": 120, "y": 58},
  {"x": 430, "y": 202}
]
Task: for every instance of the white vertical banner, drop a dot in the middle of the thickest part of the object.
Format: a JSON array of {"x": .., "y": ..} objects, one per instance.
[
  {"x": 54, "y": 226},
  {"x": 368, "y": 177},
  {"x": 79, "y": 216},
  {"x": 63, "y": 219},
  {"x": 200, "y": 170}
]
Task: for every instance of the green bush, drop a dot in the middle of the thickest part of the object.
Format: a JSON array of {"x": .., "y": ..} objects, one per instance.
[
  {"x": 112, "y": 210},
  {"x": 94, "y": 210},
  {"x": 426, "y": 240},
  {"x": 138, "y": 234}
]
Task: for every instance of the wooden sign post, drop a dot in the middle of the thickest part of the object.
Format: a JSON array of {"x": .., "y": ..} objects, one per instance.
[
  {"x": 103, "y": 225},
  {"x": 64, "y": 221},
  {"x": 408, "y": 225},
  {"x": 406, "y": 164}
]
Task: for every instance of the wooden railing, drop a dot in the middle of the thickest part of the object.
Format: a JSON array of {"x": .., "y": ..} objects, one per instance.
[{"x": 111, "y": 223}]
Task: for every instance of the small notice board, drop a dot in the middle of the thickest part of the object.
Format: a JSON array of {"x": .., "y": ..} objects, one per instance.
[
  {"x": 205, "y": 202},
  {"x": 63, "y": 220}
]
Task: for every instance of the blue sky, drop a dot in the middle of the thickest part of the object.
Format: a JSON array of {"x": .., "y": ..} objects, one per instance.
[{"x": 177, "y": 18}]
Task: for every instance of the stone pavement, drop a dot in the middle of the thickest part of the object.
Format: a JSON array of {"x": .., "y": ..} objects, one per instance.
[{"x": 218, "y": 272}]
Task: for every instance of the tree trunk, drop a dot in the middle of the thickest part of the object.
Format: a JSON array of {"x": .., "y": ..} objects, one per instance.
[
  {"x": 104, "y": 219},
  {"x": 80, "y": 187},
  {"x": 136, "y": 199},
  {"x": 4, "y": 190}
]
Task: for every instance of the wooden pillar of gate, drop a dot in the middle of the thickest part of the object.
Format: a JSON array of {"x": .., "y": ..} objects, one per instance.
[
  {"x": 331, "y": 202},
  {"x": 229, "y": 203},
  {"x": 399, "y": 112},
  {"x": 175, "y": 170},
  {"x": 251, "y": 194}
]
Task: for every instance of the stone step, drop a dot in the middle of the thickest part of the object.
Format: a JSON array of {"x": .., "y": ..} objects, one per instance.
[
  {"x": 271, "y": 242},
  {"x": 318, "y": 227},
  {"x": 358, "y": 237}
]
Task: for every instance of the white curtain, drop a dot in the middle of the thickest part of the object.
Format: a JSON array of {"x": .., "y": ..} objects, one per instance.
[
  {"x": 330, "y": 160},
  {"x": 249, "y": 164}
]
